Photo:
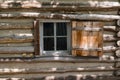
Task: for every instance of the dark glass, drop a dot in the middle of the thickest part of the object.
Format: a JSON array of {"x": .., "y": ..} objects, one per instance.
[
  {"x": 61, "y": 29},
  {"x": 48, "y": 44},
  {"x": 61, "y": 43},
  {"x": 48, "y": 29}
]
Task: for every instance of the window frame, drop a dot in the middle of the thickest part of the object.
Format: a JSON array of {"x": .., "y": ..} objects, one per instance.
[{"x": 59, "y": 52}]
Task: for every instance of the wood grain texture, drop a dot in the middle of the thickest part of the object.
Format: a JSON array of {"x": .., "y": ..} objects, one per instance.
[
  {"x": 7, "y": 50},
  {"x": 87, "y": 41},
  {"x": 31, "y": 15},
  {"x": 62, "y": 5},
  {"x": 36, "y": 37}
]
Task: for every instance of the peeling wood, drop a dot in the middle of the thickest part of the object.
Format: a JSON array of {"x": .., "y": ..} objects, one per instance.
[{"x": 59, "y": 16}]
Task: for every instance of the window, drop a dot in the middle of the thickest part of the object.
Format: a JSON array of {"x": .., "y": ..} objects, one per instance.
[
  {"x": 58, "y": 37},
  {"x": 55, "y": 38}
]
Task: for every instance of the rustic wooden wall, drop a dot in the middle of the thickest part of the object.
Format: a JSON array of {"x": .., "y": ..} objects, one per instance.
[{"x": 17, "y": 18}]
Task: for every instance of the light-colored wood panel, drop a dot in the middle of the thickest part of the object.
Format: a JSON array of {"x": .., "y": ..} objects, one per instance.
[{"x": 87, "y": 42}]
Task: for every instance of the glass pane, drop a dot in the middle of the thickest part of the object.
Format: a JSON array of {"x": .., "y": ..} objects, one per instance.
[
  {"x": 48, "y": 29},
  {"x": 61, "y": 43},
  {"x": 61, "y": 29},
  {"x": 48, "y": 44}
]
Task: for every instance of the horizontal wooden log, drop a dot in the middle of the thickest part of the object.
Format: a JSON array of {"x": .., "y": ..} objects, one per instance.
[
  {"x": 108, "y": 38},
  {"x": 14, "y": 50},
  {"x": 40, "y": 71},
  {"x": 17, "y": 45},
  {"x": 18, "y": 15},
  {"x": 16, "y": 33},
  {"x": 118, "y": 22},
  {"x": 109, "y": 28},
  {"x": 110, "y": 48},
  {"x": 68, "y": 6},
  {"x": 4, "y": 70},
  {"x": 68, "y": 77},
  {"x": 15, "y": 40},
  {"x": 12, "y": 25}
]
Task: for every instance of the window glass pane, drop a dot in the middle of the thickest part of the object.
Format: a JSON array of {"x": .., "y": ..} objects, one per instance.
[
  {"x": 61, "y": 43},
  {"x": 48, "y": 44},
  {"x": 48, "y": 29},
  {"x": 61, "y": 29}
]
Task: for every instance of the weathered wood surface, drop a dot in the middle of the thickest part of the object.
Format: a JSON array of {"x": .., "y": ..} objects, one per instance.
[
  {"x": 36, "y": 37},
  {"x": 118, "y": 43},
  {"x": 110, "y": 48},
  {"x": 89, "y": 41},
  {"x": 62, "y": 5},
  {"x": 15, "y": 40},
  {"x": 17, "y": 45},
  {"x": 118, "y": 34},
  {"x": 15, "y": 25},
  {"x": 68, "y": 77},
  {"x": 18, "y": 15},
  {"x": 117, "y": 53},
  {"x": 110, "y": 28},
  {"x": 108, "y": 38},
  {"x": 14, "y": 50},
  {"x": 16, "y": 33},
  {"x": 54, "y": 70}
]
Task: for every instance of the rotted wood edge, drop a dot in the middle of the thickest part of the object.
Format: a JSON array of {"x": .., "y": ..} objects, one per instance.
[{"x": 36, "y": 37}]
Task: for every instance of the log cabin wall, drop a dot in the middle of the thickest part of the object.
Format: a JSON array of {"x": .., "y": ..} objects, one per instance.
[{"x": 18, "y": 21}]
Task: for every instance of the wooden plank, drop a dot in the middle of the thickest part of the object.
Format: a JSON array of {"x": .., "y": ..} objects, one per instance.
[
  {"x": 87, "y": 40},
  {"x": 98, "y": 17},
  {"x": 7, "y": 50},
  {"x": 36, "y": 37},
  {"x": 110, "y": 28}
]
